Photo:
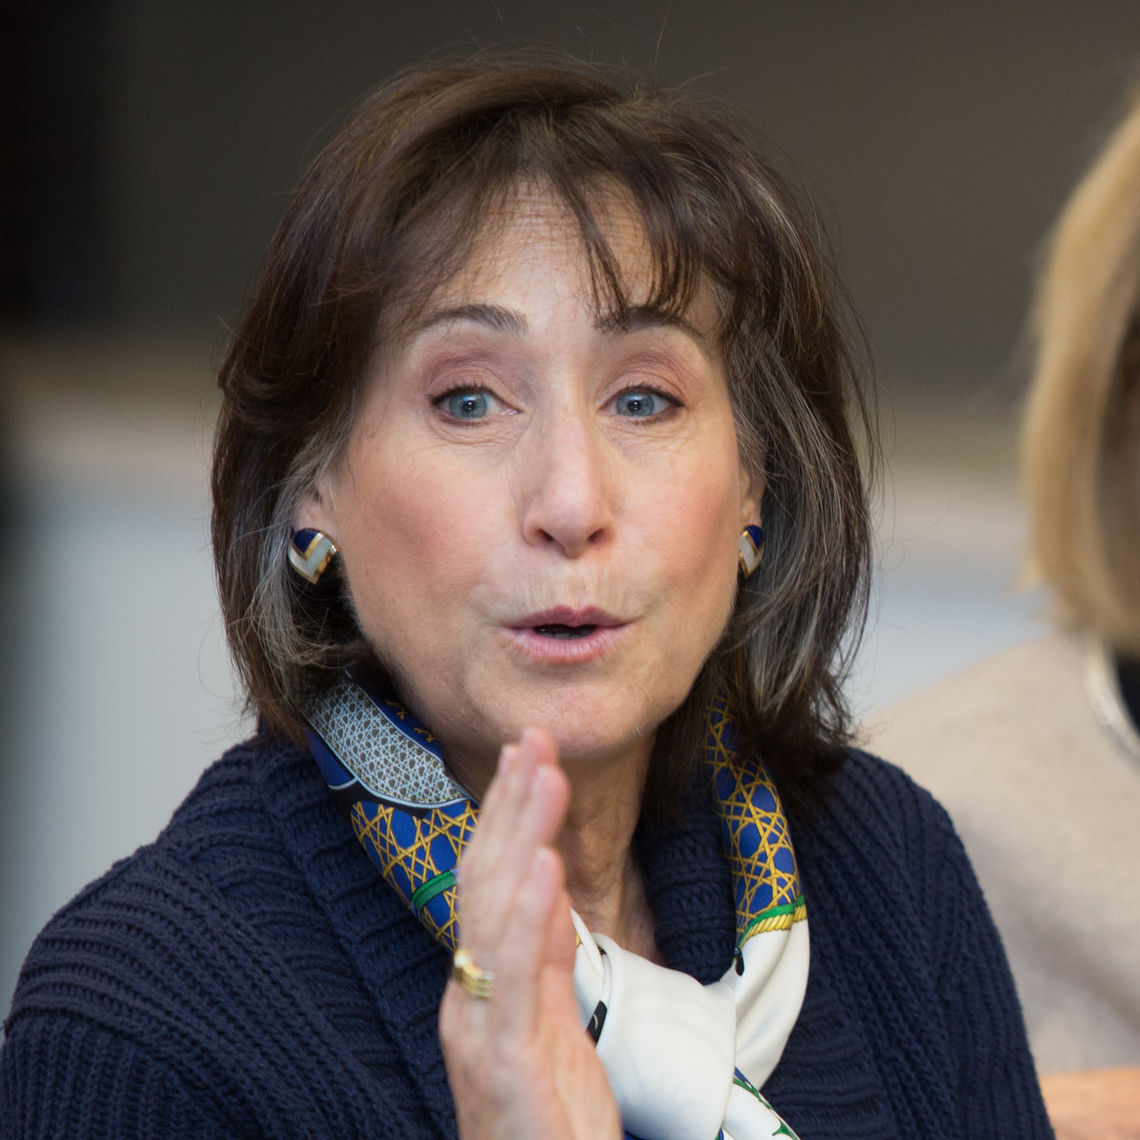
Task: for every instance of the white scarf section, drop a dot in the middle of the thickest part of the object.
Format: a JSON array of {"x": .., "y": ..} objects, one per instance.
[
  {"x": 672, "y": 1048},
  {"x": 685, "y": 1061}
]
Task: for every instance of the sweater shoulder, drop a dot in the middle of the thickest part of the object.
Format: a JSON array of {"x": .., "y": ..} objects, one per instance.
[
  {"x": 882, "y": 850},
  {"x": 222, "y": 815},
  {"x": 903, "y": 944},
  {"x": 197, "y": 954},
  {"x": 181, "y": 920},
  {"x": 868, "y": 793},
  {"x": 141, "y": 919}
]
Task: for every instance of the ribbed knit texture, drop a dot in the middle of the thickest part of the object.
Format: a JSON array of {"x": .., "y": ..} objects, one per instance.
[{"x": 249, "y": 975}]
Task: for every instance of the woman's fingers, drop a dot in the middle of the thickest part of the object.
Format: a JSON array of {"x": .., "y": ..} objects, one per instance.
[
  {"x": 526, "y": 805},
  {"x": 521, "y": 952},
  {"x": 508, "y": 1018},
  {"x": 540, "y": 744},
  {"x": 510, "y": 884},
  {"x": 519, "y": 1061},
  {"x": 509, "y": 789},
  {"x": 503, "y": 801}
]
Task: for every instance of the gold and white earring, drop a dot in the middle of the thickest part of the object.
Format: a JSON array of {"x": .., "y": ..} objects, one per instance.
[
  {"x": 750, "y": 549},
  {"x": 310, "y": 552}
]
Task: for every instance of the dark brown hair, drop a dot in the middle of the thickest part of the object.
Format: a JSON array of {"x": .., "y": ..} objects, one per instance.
[{"x": 388, "y": 212}]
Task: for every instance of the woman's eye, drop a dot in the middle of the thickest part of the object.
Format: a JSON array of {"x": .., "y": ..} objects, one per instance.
[
  {"x": 467, "y": 403},
  {"x": 642, "y": 403}
]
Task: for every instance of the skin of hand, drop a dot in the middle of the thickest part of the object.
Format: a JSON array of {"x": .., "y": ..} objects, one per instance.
[
  {"x": 1098, "y": 1104},
  {"x": 520, "y": 1063}
]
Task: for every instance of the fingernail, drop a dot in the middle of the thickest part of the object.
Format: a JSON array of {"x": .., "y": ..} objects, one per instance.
[
  {"x": 530, "y": 737},
  {"x": 525, "y": 767},
  {"x": 507, "y": 758}
]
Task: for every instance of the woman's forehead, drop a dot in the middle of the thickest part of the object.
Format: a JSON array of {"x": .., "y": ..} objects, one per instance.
[
  {"x": 533, "y": 228},
  {"x": 534, "y": 224}
]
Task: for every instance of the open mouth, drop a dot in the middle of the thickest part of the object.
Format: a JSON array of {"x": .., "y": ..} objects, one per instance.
[
  {"x": 564, "y": 636},
  {"x": 565, "y": 632}
]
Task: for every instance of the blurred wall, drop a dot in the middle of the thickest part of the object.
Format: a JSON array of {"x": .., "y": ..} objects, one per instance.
[
  {"x": 149, "y": 149},
  {"x": 938, "y": 138}
]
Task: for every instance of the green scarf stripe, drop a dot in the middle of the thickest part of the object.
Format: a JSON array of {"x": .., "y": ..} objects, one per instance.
[
  {"x": 741, "y": 1082},
  {"x": 771, "y": 912},
  {"x": 425, "y": 892}
]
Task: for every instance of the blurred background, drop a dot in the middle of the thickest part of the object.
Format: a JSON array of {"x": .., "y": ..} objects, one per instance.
[{"x": 148, "y": 150}]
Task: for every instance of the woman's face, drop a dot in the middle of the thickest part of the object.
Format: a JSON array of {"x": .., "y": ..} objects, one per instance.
[{"x": 538, "y": 511}]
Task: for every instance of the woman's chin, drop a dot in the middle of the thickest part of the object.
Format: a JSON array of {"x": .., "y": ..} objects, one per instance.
[{"x": 594, "y": 726}]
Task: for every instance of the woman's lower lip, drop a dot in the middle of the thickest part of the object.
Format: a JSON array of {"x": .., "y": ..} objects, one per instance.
[{"x": 551, "y": 649}]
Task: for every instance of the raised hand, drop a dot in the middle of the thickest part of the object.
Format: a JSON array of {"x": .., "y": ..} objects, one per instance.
[
  {"x": 1097, "y": 1104},
  {"x": 519, "y": 1061}
]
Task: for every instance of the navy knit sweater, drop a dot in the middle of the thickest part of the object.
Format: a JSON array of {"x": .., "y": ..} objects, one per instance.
[{"x": 249, "y": 974}]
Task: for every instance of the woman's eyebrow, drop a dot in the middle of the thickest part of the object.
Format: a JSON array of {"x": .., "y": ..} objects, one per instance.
[
  {"x": 498, "y": 318},
  {"x": 494, "y": 317},
  {"x": 638, "y": 317}
]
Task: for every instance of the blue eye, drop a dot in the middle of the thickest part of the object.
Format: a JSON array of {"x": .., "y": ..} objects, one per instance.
[
  {"x": 640, "y": 403},
  {"x": 470, "y": 404}
]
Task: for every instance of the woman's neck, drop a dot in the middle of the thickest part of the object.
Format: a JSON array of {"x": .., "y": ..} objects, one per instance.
[{"x": 602, "y": 876}]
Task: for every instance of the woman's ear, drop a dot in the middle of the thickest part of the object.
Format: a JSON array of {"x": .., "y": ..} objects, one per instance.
[
  {"x": 316, "y": 512},
  {"x": 750, "y": 502}
]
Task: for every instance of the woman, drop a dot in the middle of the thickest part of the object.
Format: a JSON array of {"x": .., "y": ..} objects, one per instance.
[
  {"x": 528, "y": 366},
  {"x": 1068, "y": 703}
]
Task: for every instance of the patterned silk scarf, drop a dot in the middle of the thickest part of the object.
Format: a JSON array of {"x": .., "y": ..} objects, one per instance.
[{"x": 685, "y": 1061}]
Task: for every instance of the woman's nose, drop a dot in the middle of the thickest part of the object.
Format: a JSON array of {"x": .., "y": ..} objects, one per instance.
[{"x": 568, "y": 484}]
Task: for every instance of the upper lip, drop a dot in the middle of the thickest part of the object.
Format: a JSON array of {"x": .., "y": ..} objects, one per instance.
[{"x": 568, "y": 615}]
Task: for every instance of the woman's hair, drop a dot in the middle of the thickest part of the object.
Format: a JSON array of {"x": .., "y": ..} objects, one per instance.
[
  {"x": 1082, "y": 430},
  {"x": 389, "y": 211}
]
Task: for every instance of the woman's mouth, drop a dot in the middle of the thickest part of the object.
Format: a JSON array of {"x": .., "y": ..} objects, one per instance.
[
  {"x": 567, "y": 635},
  {"x": 564, "y": 632}
]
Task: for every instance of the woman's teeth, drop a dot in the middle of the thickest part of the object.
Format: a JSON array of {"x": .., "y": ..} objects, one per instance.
[{"x": 565, "y": 631}]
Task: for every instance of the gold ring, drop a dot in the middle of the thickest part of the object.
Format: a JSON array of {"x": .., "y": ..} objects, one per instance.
[{"x": 477, "y": 982}]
